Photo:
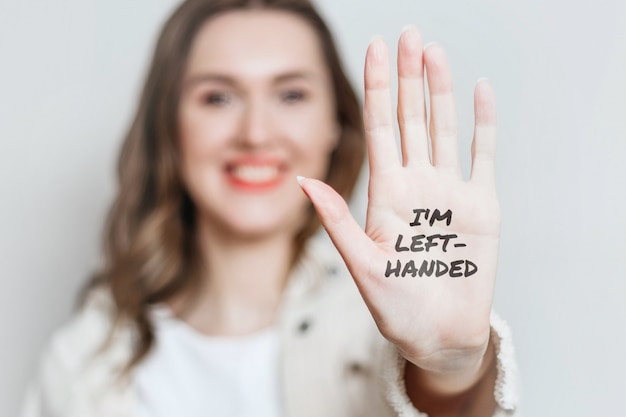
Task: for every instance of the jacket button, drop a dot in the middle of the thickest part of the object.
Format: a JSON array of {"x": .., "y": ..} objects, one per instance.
[
  {"x": 304, "y": 326},
  {"x": 357, "y": 368}
]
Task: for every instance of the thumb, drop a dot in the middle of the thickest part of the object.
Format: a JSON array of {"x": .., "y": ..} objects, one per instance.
[{"x": 354, "y": 246}]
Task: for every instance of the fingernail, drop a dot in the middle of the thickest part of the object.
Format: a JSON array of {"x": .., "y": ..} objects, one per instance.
[
  {"x": 409, "y": 27},
  {"x": 429, "y": 44},
  {"x": 378, "y": 47},
  {"x": 482, "y": 79},
  {"x": 299, "y": 178}
]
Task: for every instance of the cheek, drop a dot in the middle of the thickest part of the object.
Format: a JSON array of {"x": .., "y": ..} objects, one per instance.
[
  {"x": 314, "y": 139},
  {"x": 198, "y": 146},
  {"x": 202, "y": 138},
  {"x": 317, "y": 162},
  {"x": 199, "y": 133}
]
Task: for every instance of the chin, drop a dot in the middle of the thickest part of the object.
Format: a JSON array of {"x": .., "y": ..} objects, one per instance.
[
  {"x": 245, "y": 212},
  {"x": 260, "y": 223},
  {"x": 259, "y": 232}
]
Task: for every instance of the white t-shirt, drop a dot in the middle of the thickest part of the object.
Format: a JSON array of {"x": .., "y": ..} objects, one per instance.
[{"x": 190, "y": 374}]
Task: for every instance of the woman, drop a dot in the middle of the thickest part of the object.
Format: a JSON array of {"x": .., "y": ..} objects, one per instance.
[{"x": 216, "y": 300}]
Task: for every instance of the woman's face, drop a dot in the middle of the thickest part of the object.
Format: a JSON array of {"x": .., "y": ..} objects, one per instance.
[{"x": 257, "y": 109}]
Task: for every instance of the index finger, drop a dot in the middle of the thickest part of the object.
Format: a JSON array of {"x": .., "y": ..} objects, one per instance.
[{"x": 377, "y": 112}]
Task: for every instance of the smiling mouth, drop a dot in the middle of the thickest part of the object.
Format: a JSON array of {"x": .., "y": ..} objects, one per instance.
[
  {"x": 255, "y": 173},
  {"x": 255, "y": 176}
]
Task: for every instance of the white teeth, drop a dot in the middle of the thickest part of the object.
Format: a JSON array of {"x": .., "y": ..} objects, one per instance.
[{"x": 255, "y": 173}]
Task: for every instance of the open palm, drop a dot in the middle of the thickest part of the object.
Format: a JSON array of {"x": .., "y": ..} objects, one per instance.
[{"x": 426, "y": 262}]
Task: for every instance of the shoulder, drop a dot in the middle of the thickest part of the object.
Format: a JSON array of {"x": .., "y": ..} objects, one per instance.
[
  {"x": 78, "y": 363},
  {"x": 322, "y": 277},
  {"x": 87, "y": 331},
  {"x": 330, "y": 297}
]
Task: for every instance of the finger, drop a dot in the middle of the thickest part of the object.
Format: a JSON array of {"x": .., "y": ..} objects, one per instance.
[
  {"x": 411, "y": 100},
  {"x": 443, "y": 120},
  {"x": 377, "y": 113},
  {"x": 484, "y": 142},
  {"x": 347, "y": 236}
]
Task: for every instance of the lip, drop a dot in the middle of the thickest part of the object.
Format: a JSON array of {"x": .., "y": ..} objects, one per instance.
[{"x": 255, "y": 174}]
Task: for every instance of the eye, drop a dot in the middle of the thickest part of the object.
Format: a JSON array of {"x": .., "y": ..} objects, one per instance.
[
  {"x": 293, "y": 96},
  {"x": 217, "y": 99}
]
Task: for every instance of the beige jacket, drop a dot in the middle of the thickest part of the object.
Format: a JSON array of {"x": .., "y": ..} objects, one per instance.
[{"x": 334, "y": 362}]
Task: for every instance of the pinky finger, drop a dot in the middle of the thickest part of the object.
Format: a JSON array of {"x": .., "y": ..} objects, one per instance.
[{"x": 484, "y": 142}]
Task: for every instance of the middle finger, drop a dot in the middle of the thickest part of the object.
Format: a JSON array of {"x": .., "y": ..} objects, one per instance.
[
  {"x": 411, "y": 104},
  {"x": 443, "y": 119}
]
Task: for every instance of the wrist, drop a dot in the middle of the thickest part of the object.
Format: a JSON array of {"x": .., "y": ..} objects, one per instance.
[{"x": 452, "y": 375}]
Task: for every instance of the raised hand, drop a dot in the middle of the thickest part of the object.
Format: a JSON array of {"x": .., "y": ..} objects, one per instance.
[{"x": 426, "y": 263}]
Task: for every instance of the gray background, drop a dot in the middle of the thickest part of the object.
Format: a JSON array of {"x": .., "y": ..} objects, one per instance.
[{"x": 70, "y": 71}]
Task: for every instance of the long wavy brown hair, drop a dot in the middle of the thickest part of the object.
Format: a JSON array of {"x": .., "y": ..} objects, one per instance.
[{"x": 149, "y": 243}]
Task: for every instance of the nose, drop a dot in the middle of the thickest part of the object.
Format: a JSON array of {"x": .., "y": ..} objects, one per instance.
[{"x": 256, "y": 126}]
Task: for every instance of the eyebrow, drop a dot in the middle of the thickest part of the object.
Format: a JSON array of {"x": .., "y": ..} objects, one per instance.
[
  {"x": 225, "y": 79},
  {"x": 295, "y": 75}
]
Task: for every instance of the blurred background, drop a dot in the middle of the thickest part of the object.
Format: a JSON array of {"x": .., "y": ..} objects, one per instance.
[{"x": 70, "y": 73}]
